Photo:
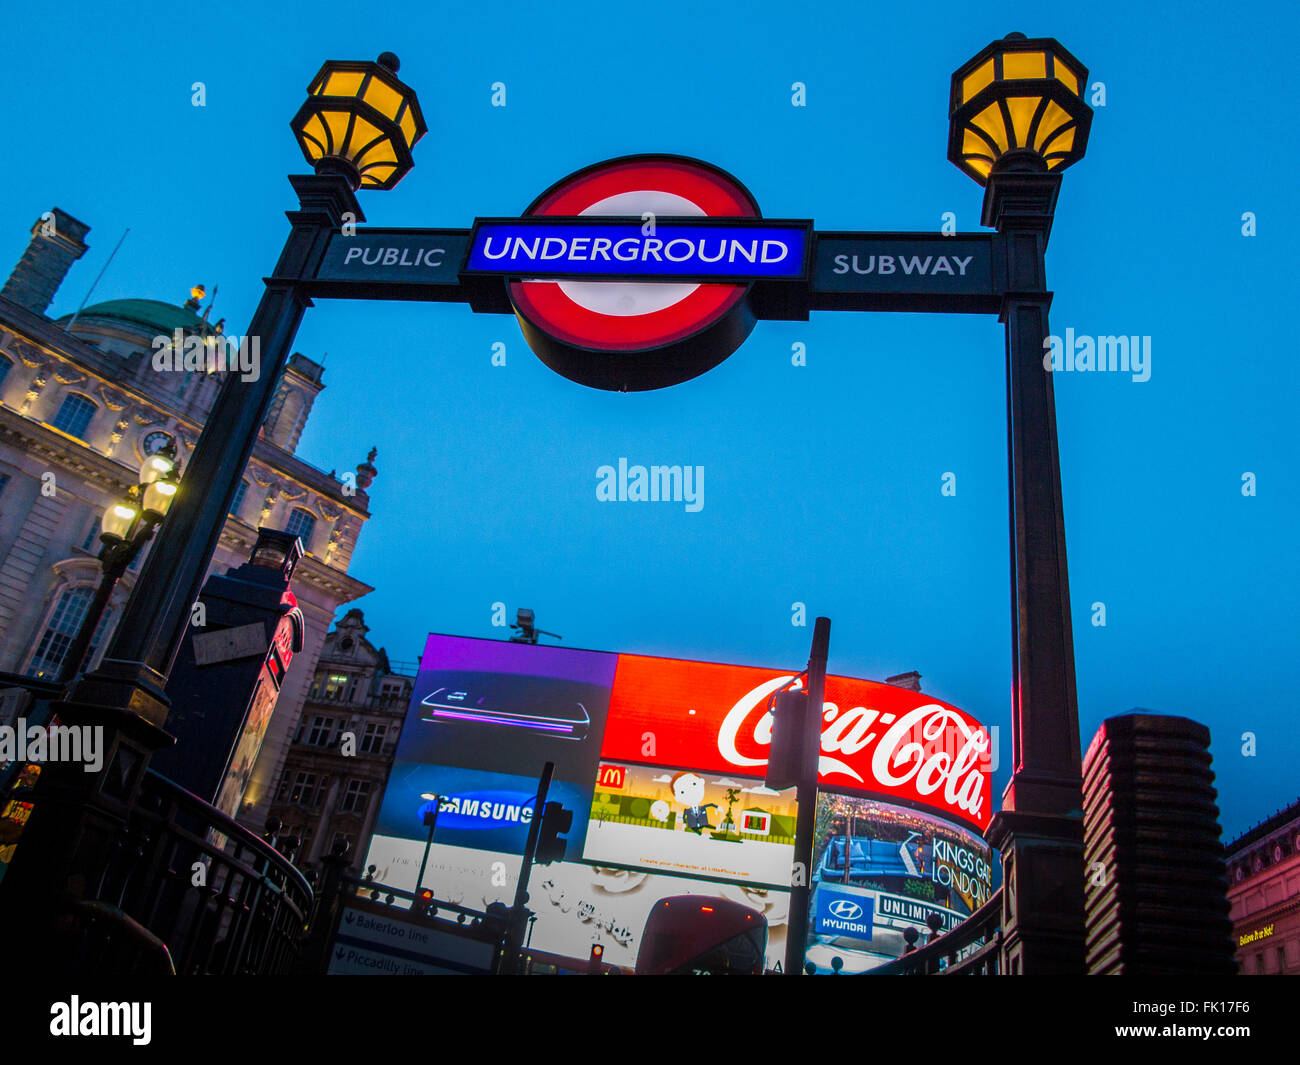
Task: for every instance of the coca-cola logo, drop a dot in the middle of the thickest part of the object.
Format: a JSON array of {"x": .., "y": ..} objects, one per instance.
[
  {"x": 930, "y": 747},
  {"x": 875, "y": 738}
]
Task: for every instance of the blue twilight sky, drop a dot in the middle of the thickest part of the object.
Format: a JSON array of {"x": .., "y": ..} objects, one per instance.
[{"x": 822, "y": 483}]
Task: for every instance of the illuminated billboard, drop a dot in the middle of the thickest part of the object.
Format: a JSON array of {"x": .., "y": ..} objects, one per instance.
[
  {"x": 662, "y": 762},
  {"x": 876, "y": 738},
  {"x": 677, "y": 820},
  {"x": 896, "y": 866}
]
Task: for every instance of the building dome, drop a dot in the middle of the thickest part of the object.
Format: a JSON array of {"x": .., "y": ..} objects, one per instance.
[{"x": 153, "y": 315}]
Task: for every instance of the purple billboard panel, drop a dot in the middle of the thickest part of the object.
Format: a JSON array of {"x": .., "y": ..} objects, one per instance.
[{"x": 491, "y": 714}]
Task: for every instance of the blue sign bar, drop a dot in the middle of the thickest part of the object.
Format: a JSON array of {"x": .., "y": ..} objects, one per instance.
[
  {"x": 842, "y": 914},
  {"x": 677, "y": 250}
]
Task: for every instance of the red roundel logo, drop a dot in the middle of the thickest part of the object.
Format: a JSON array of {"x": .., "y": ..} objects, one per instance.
[{"x": 637, "y": 335}]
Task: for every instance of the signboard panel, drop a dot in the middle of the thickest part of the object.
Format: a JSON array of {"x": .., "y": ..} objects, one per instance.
[
  {"x": 374, "y": 944},
  {"x": 701, "y": 824},
  {"x": 412, "y": 256},
  {"x": 629, "y": 249},
  {"x": 224, "y": 645},
  {"x": 843, "y": 911},
  {"x": 904, "y": 263},
  {"x": 875, "y": 737},
  {"x": 578, "y": 905}
]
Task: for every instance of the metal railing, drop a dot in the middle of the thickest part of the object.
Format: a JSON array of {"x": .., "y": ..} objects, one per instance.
[
  {"x": 187, "y": 886},
  {"x": 970, "y": 949}
]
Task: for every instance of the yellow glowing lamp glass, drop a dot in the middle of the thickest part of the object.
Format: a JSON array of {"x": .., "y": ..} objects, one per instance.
[
  {"x": 158, "y": 497},
  {"x": 118, "y": 519},
  {"x": 1016, "y": 105},
  {"x": 360, "y": 120},
  {"x": 155, "y": 466}
]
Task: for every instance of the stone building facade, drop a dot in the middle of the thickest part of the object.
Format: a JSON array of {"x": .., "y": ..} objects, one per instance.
[
  {"x": 1264, "y": 895},
  {"x": 82, "y": 405},
  {"x": 337, "y": 766}
]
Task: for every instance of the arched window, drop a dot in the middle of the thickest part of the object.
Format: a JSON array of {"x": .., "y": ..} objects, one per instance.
[
  {"x": 52, "y": 648},
  {"x": 302, "y": 525},
  {"x": 74, "y": 415}
]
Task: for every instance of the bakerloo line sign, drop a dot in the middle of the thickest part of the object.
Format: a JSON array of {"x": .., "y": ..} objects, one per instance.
[{"x": 648, "y": 270}]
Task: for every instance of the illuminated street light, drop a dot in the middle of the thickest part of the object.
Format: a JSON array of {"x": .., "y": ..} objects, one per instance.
[
  {"x": 1017, "y": 106},
  {"x": 126, "y": 527},
  {"x": 360, "y": 121}
]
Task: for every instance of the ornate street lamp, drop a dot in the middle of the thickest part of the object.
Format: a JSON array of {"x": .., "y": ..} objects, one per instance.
[
  {"x": 1018, "y": 106},
  {"x": 127, "y": 526},
  {"x": 361, "y": 121},
  {"x": 1016, "y": 121}
]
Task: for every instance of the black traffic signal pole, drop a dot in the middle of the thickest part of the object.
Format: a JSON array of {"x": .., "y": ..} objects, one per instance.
[
  {"x": 806, "y": 796},
  {"x": 430, "y": 819},
  {"x": 515, "y": 932}
]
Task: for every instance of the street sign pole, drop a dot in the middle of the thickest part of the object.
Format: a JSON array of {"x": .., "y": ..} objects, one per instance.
[
  {"x": 806, "y": 796},
  {"x": 515, "y": 933}
]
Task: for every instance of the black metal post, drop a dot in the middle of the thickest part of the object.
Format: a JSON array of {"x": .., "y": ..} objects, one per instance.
[
  {"x": 806, "y": 796},
  {"x": 1039, "y": 829},
  {"x": 78, "y": 816},
  {"x": 430, "y": 819},
  {"x": 515, "y": 933}
]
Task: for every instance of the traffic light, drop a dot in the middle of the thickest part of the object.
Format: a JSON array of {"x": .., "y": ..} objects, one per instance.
[
  {"x": 597, "y": 953},
  {"x": 556, "y": 821},
  {"x": 424, "y": 903},
  {"x": 789, "y": 728}
]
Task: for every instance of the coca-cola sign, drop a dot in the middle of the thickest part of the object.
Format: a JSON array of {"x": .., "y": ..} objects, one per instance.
[{"x": 875, "y": 738}]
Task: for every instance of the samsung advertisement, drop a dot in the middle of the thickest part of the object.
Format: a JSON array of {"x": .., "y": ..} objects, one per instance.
[{"x": 661, "y": 762}]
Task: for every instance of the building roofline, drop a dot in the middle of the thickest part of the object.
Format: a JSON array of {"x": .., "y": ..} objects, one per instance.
[{"x": 1265, "y": 828}]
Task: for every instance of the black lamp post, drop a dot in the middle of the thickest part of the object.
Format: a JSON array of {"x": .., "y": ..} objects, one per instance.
[
  {"x": 357, "y": 128},
  {"x": 1017, "y": 120},
  {"x": 127, "y": 526}
]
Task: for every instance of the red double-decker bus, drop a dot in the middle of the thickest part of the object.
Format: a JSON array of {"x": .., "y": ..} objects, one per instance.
[{"x": 698, "y": 934}]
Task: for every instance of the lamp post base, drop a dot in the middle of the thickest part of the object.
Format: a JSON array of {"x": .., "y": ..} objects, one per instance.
[{"x": 1042, "y": 892}]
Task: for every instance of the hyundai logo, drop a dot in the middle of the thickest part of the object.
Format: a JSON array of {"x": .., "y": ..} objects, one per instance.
[{"x": 845, "y": 909}]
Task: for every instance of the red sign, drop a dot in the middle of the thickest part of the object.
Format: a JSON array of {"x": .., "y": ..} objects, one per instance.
[
  {"x": 637, "y": 335},
  {"x": 876, "y": 738},
  {"x": 611, "y": 776}
]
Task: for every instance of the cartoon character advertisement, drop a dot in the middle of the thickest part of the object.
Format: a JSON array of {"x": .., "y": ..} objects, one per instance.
[{"x": 689, "y": 823}]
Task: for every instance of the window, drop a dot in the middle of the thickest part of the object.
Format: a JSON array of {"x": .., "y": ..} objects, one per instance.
[
  {"x": 305, "y": 790},
  {"x": 92, "y": 535},
  {"x": 373, "y": 739},
  {"x": 69, "y": 612},
  {"x": 6, "y": 364},
  {"x": 4, "y": 480},
  {"x": 355, "y": 797},
  {"x": 1281, "y": 959},
  {"x": 322, "y": 729},
  {"x": 302, "y": 525},
  {"x": 238, "y": 501},
  {"x": 334, "y": 685},
  {"x": 74, "y": 415}
]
